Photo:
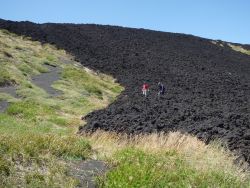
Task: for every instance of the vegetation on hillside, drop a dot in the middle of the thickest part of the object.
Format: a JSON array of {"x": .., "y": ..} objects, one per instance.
[
  {"x": 239, "y": 49},
  {"x": 166, "y": 160},
  {"x": 234, "y": 47},
  {"x": 37, "y": 131}
]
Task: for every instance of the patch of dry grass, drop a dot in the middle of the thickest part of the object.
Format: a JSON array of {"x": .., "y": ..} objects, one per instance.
[
  {"x": 37, "y": 160},
  {"x": 239, "y": 49},
  {"x": 85, "y": 91},
  {"x": 195, "y": 153},
  {"x": 215, "y": 42},
  {"x": 40, "y": 128}
]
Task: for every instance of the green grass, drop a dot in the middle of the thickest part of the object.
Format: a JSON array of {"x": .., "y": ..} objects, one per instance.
[
  {"x": 166, "y": 160},
  {"x": 33, "y": 145},
  {"x": 82, "y": 91},
  {"x": 136, "y": 168},
  {"x": 5, "y": 78},
  {"x": 37, "y": 132},
  {"x": 37, "y": 156},
  {"x": 90, "y": 82}
]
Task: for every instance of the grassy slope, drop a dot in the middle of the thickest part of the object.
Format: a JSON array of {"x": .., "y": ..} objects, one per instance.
[
  {"x": 232, "y": 46},
  {"x": 37, "y": 132},
  {"x": 173, "y": 160},
  {"x": 239, "y": 49}
]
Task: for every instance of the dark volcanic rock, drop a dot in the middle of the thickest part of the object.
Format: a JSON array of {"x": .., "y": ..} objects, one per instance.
[{"x": 207, "y": 86}]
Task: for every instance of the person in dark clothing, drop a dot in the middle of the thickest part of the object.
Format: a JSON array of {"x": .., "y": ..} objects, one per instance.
[{"x": 161, "y": 89}]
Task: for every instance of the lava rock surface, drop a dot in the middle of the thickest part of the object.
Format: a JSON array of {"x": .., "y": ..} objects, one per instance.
[{"x": 207, "y": 86}]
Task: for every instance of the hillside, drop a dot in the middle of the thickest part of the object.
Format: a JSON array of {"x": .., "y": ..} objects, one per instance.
[
  {"x": 208, "y": 84},
  {"x": 43, "y": 94}
]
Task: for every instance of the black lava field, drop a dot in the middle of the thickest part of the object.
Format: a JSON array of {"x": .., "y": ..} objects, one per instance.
[{"x": 207, "y": 86}]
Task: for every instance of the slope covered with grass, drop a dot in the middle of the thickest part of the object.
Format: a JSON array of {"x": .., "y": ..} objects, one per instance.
[
  {"x": 38, "y": 140},
  {"x": 207, "y": 85},
  {"x": 37, "y": 130},
  {"x": 166, "y": 160}
]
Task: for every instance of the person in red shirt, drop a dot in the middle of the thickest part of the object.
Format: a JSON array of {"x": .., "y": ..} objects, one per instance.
[{"x": 145, "y": 88}]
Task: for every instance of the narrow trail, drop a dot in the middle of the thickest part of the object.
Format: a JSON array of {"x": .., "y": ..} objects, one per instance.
[
  {"x": 3, "y": 106},
  {"x": 11, "y": 90},
  {"x": 209, "y": 81},
  {"x": 45, "y": 80},
  {"x": 84, "y": 171},
  {"x": 87, "y": 171}
]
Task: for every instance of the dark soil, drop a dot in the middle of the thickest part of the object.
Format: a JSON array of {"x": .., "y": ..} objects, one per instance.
[
  {"x": 7, "y": 83},
  {"x": 207, "y": 86},
  {"x": 3, "y": 106},
  {"x": 9, "y": 90},
  {"x": 45, "y": 80},
  {"x": 86, "y": 172}
]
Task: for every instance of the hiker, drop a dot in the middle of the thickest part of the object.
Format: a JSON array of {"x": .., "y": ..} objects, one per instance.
[
  {"x": 145, "y": 88},
  {"x": 161, "y": 89}
]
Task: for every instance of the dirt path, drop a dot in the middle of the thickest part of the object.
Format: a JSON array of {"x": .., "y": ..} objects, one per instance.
[
  {"x": 86, "y": 171},
  {"x": 3, "y": 106},
  {"x": 45, "y": 80},
  {"x": 9, "y": 90}
]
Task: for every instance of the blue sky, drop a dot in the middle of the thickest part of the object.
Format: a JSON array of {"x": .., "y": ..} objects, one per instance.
[{"x": 227, "y": 20}]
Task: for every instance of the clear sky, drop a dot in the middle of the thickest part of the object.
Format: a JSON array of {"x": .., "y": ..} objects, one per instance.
[{"x": 227, "y": 20}]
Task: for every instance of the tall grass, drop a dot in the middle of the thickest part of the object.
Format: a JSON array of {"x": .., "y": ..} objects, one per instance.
[
  {"x": 34, "y": 159},
  {"x": 37, "y": 131},
  {"x": 139, "y": 161},
  {"x": 136, "y": 168}
]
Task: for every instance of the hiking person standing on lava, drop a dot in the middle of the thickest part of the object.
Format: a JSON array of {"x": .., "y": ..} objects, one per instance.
[
  {"x": 145, "y": 88},
  {"x": 161, "y": 89}
]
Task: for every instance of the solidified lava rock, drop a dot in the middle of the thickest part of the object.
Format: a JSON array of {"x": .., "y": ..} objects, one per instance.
[{"x": 207, "y": 86}]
